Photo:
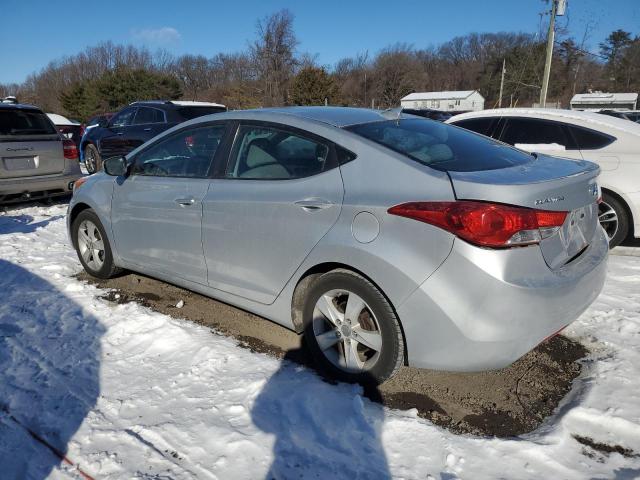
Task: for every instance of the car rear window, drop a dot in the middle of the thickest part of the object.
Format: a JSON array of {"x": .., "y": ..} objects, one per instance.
[
  {"x": 192, "y": 112},
  {"x": 442, "y": 146},
  {"x": 16, "y": 123}
]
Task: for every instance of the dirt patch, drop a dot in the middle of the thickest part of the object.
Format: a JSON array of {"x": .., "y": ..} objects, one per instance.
[
  {"x": 503, "y": 403},
  {"x": 603, "y": 448}
]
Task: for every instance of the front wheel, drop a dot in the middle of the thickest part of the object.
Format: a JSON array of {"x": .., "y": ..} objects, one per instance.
[
  {"x": 92, "y": 159},
  {"x": 92, "y": 245},
  {"x": 351, "y": 329},
  {"x": 614, "y": 219}
]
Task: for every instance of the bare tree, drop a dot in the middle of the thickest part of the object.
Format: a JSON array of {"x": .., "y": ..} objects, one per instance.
[{"x": 274, "y": 55}]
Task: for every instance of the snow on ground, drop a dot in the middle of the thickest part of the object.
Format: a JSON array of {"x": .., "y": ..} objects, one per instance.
[{"x": 130, "y": 393}]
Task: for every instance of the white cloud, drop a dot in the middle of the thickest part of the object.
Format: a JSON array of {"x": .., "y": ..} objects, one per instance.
[{"x": 162, "y": 35}]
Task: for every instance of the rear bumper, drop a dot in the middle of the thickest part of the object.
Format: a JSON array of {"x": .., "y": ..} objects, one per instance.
[
  {"x": 483, "y": 309},
  {"x": 49, "y": 185}
]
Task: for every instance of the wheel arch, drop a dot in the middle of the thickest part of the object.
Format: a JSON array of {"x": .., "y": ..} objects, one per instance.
[
  {"x": 306, "y": 280},
  {"x": 626, "y": 207}
]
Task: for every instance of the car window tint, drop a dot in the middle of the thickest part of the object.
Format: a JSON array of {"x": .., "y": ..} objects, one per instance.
[
  {"x": 148, "y": 115},
  {"x": 482, "y": 126},
  {"x": 187, "y": 153},
  {"x": 188, "y": 113},
  {"x": 587, "y": 139},
  {"x": 16, "y": 122},
  {"x": 269, "y": 153},
  {"x": 123, "y": 118},
  {"x": 531, "y": 131},
  {"x": 442, "y": 146}
]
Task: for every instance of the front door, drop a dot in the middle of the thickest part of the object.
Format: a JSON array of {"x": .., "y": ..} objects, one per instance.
[
  {"x": 157, "y": 209},
  {"x": 113, "y": 140},
  {"x": 281, "y": 193}
]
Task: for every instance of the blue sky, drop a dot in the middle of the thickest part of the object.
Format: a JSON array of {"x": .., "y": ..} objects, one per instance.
[{"x": 34, "y": 32}]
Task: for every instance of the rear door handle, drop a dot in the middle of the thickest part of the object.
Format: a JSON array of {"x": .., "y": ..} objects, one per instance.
[
  {"x": 120, "y": 133},
  {"x": 185, "y": 202},
  {"x": 313, "y": 204},
  {"x": 148, "y": 129}
]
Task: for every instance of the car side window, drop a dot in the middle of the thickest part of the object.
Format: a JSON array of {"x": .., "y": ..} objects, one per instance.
[
  {"x": 187, "y": 153},
  {"x": 483, "y": 126},
  {"x": 267, "y": 153},
  {"x": 532, "y": 131},
  {"x": 123, "y": 118},
  {"x": 587, "y": 139},
  {"x": 148, "y": 115}
]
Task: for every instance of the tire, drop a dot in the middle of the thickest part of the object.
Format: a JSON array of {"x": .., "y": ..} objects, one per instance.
[
  {"x": 614, "y": 219},
  {"x": 92, "y": 159},
  {"x": 363, "y": 346},
  {"x": 92, "y": 245}
]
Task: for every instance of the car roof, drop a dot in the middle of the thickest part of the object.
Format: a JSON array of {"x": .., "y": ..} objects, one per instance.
[
  {"x": 60, "y": 120},
  {"x": 19, "y": 106},
  {"x": 335, "y": 116},
  {"x": 175, "y": 103},
  {"x": 596, "y": 121}
]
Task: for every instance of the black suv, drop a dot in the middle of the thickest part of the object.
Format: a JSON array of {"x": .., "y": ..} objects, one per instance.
[{"x": 134, "y": 125}]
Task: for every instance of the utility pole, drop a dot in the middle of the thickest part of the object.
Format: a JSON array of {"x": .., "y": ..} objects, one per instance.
[
  {"x": 557, "y": 7},
  {"x": 504, "y": 70}
]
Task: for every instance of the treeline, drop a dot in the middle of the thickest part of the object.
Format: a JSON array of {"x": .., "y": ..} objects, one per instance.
[{"x": 271, "y": 72}]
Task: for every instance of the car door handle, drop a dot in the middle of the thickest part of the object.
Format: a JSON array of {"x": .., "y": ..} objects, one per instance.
[
  {"x": 185, "y": 202},
  {"x": 148, "y": 129},
  {"x": 120, "y": 133},
  {"x": 313, "y": 204}
]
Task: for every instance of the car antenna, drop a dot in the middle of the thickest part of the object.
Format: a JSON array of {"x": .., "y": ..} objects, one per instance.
[{"x": 393, "y": 113}]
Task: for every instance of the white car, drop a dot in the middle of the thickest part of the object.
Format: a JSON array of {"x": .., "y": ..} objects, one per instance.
[{"x": 612, "y": 143}]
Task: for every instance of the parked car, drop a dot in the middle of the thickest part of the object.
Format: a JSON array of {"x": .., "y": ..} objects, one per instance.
[
  {"x": 71, "y": 129},
  {"x": 35, "y": 161},
  {"x": 386, "y": 239},
  {"x": 100, "y": 119},
  {"x": 134, "y": 125},
  {"x": 614, "y": 113},
  {"x": 428, "y": 113},
  {"x": 613, "y": 143}
]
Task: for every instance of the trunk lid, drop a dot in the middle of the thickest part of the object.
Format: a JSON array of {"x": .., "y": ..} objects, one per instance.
[
  {"x": 31, "y": 158},
  {"x": 29, "y": 143},
  {"x": 545, "y": 183}
]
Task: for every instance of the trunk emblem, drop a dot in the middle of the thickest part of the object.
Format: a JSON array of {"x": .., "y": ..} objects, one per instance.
[
  {"x": 543, "y": 201},
  {"x": 593, "y": 189}
]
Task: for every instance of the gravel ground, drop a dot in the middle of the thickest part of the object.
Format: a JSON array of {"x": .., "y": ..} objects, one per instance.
[{"x": 501, "y": 403}]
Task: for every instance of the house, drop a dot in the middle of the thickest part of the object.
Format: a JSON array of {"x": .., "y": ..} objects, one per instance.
[
  {"x": 460, "y": 101},
  {"x": 604, "y": 101}
]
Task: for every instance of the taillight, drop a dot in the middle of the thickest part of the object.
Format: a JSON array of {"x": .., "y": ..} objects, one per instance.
[
  {"x": 70, "y": 149},
  {"x": 486, "y": 224}
]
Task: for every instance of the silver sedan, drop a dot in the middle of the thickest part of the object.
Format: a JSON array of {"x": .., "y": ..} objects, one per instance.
[{"x": 385, "y": 239}]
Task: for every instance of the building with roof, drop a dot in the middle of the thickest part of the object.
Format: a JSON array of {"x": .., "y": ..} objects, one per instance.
[
  {"x": 453, "y": 101},
  {"x": 604, "y": 101}
]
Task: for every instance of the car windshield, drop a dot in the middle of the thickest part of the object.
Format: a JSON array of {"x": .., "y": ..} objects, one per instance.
[
  {"x": 442, "y": 147},
  {"x": 24, "y": 123}
]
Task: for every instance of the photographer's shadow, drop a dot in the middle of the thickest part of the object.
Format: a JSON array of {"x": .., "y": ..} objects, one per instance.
[
  {"x": 321, "y": 430},
  {"x": 49, "y": 372}
]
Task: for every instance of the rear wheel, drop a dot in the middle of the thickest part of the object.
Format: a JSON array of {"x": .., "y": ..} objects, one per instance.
[
  {"x": 92, "y": 159},
  {"x": 351, "y": 329},
  {"x": 92, "y": 245},
  {"x": 614, "y": 219}
]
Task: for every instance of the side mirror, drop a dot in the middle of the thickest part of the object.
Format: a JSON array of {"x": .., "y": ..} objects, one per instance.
[
  {"x": 103, "y": 122},
  {"x": 115, "y": 166}
]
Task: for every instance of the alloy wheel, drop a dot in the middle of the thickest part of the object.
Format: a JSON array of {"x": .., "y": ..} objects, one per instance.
[
  {"x": 608, "y": 219},
  {"x": 347, "y": 331},
  {"x": 91, "y": 245},
  {"x": 90, "y": 160}
]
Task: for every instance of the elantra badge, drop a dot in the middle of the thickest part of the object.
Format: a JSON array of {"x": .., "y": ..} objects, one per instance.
[{"x": 544, "y": 201}]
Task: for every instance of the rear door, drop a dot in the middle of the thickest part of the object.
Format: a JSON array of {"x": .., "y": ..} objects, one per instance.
[
  {"x": 29, "y": 144},
  {"x": 280, "y": 194},
  {"x": 113, "y": 141},
  {"x": 540, "y": 136},
  {"x": 157, "y": 210}
]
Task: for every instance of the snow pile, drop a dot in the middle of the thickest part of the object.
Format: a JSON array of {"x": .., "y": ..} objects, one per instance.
[{"x": 128, "y": 393}]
